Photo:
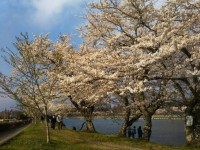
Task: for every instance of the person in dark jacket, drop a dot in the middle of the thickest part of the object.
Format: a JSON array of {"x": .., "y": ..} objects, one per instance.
[
  {"x": 53, "y": 122},
  {"x": 129, "y": 131},
  {"x": 139, "y": 130},
  {"x": 133, "y": 132}
]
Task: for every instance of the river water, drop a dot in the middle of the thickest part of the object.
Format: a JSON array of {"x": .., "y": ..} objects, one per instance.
[{"x": 168, "y": 132}]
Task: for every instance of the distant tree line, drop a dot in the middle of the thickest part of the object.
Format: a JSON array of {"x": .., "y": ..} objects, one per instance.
[{"x": 13, "y": 114}]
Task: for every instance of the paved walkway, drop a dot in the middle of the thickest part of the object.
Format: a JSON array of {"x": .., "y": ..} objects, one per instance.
[{"x": 7, "y": 135}]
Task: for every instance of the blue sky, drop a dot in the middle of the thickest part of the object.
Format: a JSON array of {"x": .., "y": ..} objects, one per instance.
[{"x": 35, "y": 17}]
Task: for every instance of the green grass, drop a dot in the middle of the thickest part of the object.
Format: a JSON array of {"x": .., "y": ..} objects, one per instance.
[{"x": 34, "y": 138}]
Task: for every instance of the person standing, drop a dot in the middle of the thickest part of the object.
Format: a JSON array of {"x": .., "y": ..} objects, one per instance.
[
  {"x": 42, "y": 118},
  {"x": 139, "y": 132},
  {"x": 53, "y": 122},
  {"x": 60, "y": 122},
  {"x": 129, "y": 132},
  {"x": 133, "y": 132}
]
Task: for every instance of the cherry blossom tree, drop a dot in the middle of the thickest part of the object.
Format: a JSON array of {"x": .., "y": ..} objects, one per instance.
[
  {"x": 9, "y": 88},
  {"x": 149, "y": 35},
  {"x": 33, "y": 86},
  {"x": 78, "y": 81}
]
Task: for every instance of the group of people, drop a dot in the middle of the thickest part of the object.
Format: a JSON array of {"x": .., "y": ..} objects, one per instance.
[
  {"x": 53, "y": 120},
  {"x": 131, "y": 132},
  {"x": 56, "y": 119}
]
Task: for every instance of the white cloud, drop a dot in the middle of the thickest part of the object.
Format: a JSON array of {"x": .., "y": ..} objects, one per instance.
[{"x": 49, "y": 12}]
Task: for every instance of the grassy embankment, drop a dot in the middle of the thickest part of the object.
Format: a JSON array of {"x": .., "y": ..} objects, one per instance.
[{"x": 34, "y": 138}]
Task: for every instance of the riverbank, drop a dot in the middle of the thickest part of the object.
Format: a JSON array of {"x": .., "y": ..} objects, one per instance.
[{"x": 34, "y": 137}]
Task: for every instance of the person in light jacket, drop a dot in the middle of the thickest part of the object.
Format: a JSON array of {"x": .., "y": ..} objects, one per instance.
[{"x": 59, "y": 119}]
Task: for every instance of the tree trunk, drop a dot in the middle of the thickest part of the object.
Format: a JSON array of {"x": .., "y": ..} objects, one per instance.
[
  {"x": 189, "y": 134},
  {"x": 192, "y": 131},
  {"x": 196, "y": 121},
  {"x": 47, "y": 125},
  {"x": 87, "y": 113},
  {"x": 122, "y": 131},
  {"x": 189, "y": 130},
  {"x": 35, "y": 120},
  {"x": 128, "y": 121},
  {"x": 147, "y": 127},
  {"x": 89, "y": 125}
]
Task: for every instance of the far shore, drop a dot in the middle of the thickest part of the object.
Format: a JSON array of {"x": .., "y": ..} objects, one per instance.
[{"x": 155, "y": 117}]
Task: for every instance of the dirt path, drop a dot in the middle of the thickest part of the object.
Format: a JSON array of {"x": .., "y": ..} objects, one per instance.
[
  {"x": 110, "y": 146},
  {"x": 7, "y": 135}
]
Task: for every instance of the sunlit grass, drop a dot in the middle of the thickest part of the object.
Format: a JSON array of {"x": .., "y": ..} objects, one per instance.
[{"x": 34, "y": 138}]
